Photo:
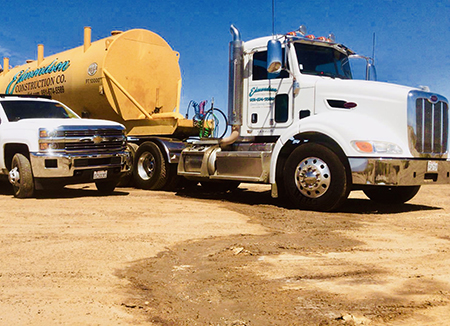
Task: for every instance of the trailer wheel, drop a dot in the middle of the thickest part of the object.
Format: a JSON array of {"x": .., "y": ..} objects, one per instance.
[
  {"x": 150, "y": 167},
  {"x": 21, "y": 176},
  {"x": 391, "y": 195},
  {"x": 315, "y": 178},
  {"x": 106, "y": 187}
]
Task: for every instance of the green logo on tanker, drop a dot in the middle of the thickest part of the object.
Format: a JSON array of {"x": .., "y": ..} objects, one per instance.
[{"x": 24, "y": 75}]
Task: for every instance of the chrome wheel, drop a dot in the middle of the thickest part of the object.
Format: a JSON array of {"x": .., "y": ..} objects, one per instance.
[
  {"x": 312, "y": 177},
  {"x": 14, "y": 176},
  {"x": 146, "y": 166}
]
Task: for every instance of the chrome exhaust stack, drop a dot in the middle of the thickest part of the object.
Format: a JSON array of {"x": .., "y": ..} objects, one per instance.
[{"x": 235, "y": 86}]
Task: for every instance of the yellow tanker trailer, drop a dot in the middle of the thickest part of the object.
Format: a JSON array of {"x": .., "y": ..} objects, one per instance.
[{"x": 131, "y": 77}]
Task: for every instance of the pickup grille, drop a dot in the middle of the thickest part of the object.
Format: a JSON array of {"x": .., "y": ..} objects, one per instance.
[
  {"x": 86, "y": 139},
  {"x": 91, "y": 133},
  {"x": 428, "y": 124}
]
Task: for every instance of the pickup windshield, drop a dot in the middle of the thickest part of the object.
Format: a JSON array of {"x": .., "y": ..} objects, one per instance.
[
  {"x": 322, "y": 61},
  {"x": 18, "y": 110}
]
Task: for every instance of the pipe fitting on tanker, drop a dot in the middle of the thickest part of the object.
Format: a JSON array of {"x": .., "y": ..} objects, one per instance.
[{"x": 235, "y": 85}]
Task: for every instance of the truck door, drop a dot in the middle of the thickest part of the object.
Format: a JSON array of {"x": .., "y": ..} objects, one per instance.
[{"x": 270, "y": 103}]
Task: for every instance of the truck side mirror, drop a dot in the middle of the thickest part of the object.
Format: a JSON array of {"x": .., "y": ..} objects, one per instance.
[
  {"x": 371, "y": 73},
  {"x": 274, "y": 56}
]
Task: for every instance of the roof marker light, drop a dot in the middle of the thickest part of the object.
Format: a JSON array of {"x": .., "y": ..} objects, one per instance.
[
  {"x": 332, "y": 38},
  {"x": 302, "y": 30}
]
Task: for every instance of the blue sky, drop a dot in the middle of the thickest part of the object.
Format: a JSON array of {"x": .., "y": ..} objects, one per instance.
[{"x": 412, "y": 37}]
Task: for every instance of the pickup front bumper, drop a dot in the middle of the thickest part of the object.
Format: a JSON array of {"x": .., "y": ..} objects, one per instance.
[
  {"x": 47, "y": 165},
  {"x": 399, "y": 172}
]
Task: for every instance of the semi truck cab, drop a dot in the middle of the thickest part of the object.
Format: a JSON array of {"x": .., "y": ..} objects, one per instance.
[{"x": 303, "y": 124}]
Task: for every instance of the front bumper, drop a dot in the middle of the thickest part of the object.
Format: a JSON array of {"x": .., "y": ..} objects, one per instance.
[
  {"x": 48, "y": 165},
  {"x": 399, "y": 172}
]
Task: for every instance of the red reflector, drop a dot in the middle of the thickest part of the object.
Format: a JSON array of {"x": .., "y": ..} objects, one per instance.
[{"x": 350, "y": 105}]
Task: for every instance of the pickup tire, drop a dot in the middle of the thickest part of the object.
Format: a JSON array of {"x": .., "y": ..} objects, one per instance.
[
  {"x": 150, "y": 167},
  {"x": 21, "y": 176},
  {"x": 391, "y": 195},
  {"x": 106, "y": 187},
  {"x": 315, "y": 178}
]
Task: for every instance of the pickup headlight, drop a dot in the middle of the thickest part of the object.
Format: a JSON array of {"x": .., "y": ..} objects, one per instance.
[
  {"x": 373, "y": 146},
  {"x": 46, "y": 133},
  {"x": 47, "y": 141}
]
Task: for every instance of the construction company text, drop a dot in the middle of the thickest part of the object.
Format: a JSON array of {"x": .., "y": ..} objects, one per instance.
[{"x": 24, "y": 75}]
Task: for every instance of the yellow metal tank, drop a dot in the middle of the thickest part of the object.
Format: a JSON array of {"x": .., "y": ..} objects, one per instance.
[{"x": 131, "y": 77}]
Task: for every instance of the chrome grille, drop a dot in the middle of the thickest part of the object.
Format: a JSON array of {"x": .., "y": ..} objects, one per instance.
[
  {"x": 92, "y": 132},
  {"x": 87, "y": 139},
  {"x": 428, "y": 124}
]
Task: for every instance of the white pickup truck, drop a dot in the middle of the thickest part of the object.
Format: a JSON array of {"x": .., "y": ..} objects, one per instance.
[{"x": 45, "y": 144}]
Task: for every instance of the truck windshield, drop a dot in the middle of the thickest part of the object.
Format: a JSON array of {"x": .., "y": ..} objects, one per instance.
[
  {"x": 18, "y": 110},
  {"x": 322, "y": 61}
]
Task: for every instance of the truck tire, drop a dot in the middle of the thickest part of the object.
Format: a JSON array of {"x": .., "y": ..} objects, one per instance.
[
  {"x": 150, "y": 167},
  {"x": 21, "y": 176},
  {"x": 106, "y": 187},
  {"x": 391, "y": 195},
  {"x": 315, "y": 178}
]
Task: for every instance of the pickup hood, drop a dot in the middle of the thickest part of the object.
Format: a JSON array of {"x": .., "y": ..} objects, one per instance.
[{"x": 55, "y": 123}]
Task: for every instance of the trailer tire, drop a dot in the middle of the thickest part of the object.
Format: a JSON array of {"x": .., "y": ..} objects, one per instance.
[
  {"x": 173, "y": 179},
  {"x": 315, "y": 178},
  {"x": 21, "y": 176},
  {"x": 150, "y": 167},
  {"x": 391, "y": 195}
]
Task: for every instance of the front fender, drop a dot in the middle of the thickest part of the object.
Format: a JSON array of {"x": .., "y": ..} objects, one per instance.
[{"x": 342, "y": 127}]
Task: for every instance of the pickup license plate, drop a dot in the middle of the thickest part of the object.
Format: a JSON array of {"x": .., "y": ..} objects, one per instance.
[
  {"x": 432, "y": 166},
  {"x": 103, "y": 174}
]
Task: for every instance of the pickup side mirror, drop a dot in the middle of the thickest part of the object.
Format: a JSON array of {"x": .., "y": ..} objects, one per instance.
[{"x": 274, "y": 56}]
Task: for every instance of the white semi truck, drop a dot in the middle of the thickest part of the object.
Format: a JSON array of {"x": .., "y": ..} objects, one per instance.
[
  {"x": 299, "y": 120},
  {"x": 301, "y": 123}
]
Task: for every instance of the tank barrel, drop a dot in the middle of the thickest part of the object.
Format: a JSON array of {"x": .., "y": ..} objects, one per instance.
[
  {"x": 5, "y": 65},
  {"x": 40, "y": 54},
  {"x": 87, "y": 38}
]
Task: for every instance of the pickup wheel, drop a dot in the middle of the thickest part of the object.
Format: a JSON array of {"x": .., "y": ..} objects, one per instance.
[
  {"x": 315, "y": 178},
  {"x": 391, "y": 195},
  {"x": 21, "y": 176},
  {"x": 106, "y": 187},
  {"x": 150, "y": 167}
]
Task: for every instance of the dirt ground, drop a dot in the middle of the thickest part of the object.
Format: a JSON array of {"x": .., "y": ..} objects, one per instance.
[{"x": 190, "y": 258}]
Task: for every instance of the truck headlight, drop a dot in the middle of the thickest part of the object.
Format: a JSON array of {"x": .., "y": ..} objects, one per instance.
[
  {"x": 48, "y": 140},
  {"x": 50, "y": 146},
  {"x": 373, "y": 146},
  {"x": 46, "y": 133}
]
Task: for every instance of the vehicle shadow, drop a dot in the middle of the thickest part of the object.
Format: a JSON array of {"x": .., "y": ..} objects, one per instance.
[
  {"x": 76, "y": 193},
  {"x": 246, "y": 196},
  {"x": 6, "y": 190}
]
